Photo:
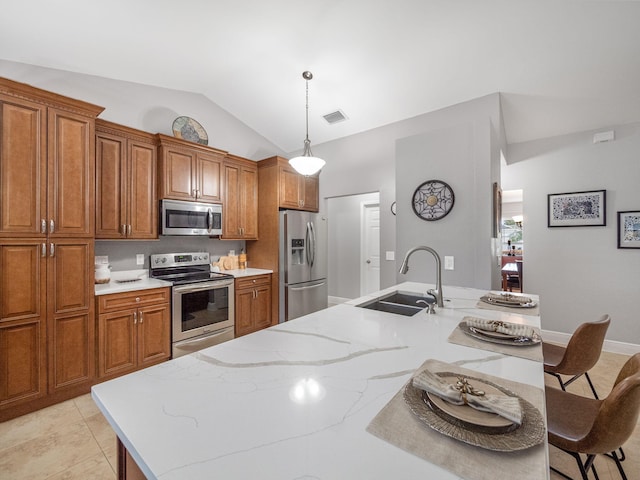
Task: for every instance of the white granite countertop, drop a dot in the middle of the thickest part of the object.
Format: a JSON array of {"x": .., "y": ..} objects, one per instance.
[
  {"x": 247, "y": 272},
  {"x": 144, "y": 282},
  {"x": 293, "y": 401}
]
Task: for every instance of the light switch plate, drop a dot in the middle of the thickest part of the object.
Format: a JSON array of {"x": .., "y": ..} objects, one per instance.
[
  {"x": 390, "y": 255},
  {"x": 448, "y": 263},
  {"x": 140, "y": 259}
]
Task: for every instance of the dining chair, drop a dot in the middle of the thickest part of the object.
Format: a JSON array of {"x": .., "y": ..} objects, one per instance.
[
  {"x": 515, "y": 281},
  {"x": 579, "y": 356},
  {"x": 581, "y": 425}
]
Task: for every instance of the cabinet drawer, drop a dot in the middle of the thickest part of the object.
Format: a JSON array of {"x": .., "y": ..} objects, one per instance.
[
  {"x": 136, "y": 298},
  {"x": 254, "y": 281}
]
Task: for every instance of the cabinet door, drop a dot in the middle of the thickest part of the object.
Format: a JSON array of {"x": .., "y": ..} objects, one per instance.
[
  {"x": 154, "y": 338},
  {"x": 110, "y": 186},
  {"x": 249, "y": 202},
  {"x": 232, "y": 220},
  {"x": 70, "y": 332},
  {"x": 22, "y": 321},
  {"x": 71, "y": 173},
  {"x": 262, "y": 307},
  {"x": 22, "y": 361},
  {"x": 290, "y": 185},
  {"x": 243, "y": 308},
  {"x": 208, "y": 176},
  {"x": 117, "y": 346},
  {"x": 23, "y": 172},
  {"x": 178, "y": 174},
  {"x": 71, "y": 351},
  {"x": 141, "y": 195},
  {"x": 311, "y": 199}
]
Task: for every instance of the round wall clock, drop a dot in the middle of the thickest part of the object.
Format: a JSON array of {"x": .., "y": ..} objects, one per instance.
[{"x": 433, "y": 200}]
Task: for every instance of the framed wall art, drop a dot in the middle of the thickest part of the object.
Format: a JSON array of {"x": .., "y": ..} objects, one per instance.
[
  {"x": 629, "y": 229},
  {"x": 577, "y": 209}
]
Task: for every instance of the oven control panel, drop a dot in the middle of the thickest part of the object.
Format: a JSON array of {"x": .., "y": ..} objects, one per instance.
[{"x": 179, "y": 259}]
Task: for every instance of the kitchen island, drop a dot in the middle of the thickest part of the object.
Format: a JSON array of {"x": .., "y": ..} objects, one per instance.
[{"x": 294, "y": 401}]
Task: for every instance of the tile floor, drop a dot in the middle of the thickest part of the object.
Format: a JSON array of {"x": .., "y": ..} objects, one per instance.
[{"x": 73, "y": 441}]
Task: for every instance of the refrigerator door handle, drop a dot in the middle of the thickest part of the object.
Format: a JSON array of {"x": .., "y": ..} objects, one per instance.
[
  {"x": 297, "y": 289},
  {"x": 308, "y": 244},
  {"x": 313, "y": 243}
]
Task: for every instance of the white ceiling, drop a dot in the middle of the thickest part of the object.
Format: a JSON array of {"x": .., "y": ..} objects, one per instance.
[{"x": 562, "y": 65}]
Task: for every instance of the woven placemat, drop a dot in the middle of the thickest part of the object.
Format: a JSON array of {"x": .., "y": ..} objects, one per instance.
[
  {"x": 397, "y": 425},
  {"x": 530, "y": 352}
]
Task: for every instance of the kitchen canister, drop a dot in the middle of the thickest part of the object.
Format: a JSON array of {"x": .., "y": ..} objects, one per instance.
[{"x": 103, "y": 273}]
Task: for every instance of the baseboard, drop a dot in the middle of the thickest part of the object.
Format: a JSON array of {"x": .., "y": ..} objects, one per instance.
[{"x": 612, "y": 346}]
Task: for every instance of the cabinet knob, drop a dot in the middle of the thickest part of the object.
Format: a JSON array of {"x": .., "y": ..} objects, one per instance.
[{"x": 137, "y": 299}]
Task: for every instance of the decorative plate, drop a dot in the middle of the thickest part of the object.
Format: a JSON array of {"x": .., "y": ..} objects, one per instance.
[
  {"x": 433, "y": 200},
  {"x": 189, "y": 129},
  {"x": 530, "y": 433},
  {"x": 508, "y": 304},
  {"x": 492, "y": 338}
]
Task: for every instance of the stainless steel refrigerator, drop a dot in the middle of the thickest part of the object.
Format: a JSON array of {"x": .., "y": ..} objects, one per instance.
[{"x": 303, "y": 264}]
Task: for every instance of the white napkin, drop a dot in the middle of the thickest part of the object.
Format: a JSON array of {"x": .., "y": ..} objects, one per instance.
[
  {"x": 508, "y": 297},
  {"x": 499, "y": 326},
  {"x": 504, "y": 405}
]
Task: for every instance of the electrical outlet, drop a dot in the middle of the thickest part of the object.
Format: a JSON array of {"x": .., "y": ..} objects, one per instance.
[
  {"x": 390, "y": 255},
  {"x": 140, "y": 259},
  {"x": 448, "y": 263}
]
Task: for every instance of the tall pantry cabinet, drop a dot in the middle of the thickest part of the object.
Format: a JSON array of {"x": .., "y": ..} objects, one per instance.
[{"x": 47, "y": 185}]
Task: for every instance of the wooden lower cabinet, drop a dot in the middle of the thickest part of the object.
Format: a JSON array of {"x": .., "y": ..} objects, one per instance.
[
  {"x": 47, "y": 328},
  {"x": 252, "y": 304},
  {"x": 134, "y": 331}
]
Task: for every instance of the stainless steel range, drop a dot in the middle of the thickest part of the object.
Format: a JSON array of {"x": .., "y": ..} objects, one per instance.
[{"x": 202, "y": 301}]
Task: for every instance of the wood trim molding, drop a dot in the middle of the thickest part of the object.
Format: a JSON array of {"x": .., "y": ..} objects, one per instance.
[{"x": 50, "y": 99}]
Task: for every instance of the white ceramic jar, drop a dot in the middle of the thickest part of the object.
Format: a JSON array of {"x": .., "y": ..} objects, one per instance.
[{"x": 103, "y": 273}]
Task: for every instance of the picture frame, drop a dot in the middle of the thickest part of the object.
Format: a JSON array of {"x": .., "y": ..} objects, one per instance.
[
  {"x": 577, "y": 209},
  {"x": 629, "y": 229},
  {"x": 497, "y": 211}
]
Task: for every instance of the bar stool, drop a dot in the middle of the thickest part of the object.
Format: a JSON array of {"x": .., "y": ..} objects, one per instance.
[
  {"x": 579, "y": 356},
  {"x": 581, "y": 425}
]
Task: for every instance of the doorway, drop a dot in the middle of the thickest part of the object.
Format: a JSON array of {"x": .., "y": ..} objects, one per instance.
[{"x": 347, "y": 242}]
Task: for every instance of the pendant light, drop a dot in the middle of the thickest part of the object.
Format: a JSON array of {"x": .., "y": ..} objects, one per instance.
[{"x": 307, "y": 164}]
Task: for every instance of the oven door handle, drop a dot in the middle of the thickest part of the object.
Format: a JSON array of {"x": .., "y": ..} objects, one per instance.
[{"x": 199, "y": 288}]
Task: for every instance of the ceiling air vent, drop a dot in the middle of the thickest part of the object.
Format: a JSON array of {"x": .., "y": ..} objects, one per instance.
[{"x": 334, "y": 117}]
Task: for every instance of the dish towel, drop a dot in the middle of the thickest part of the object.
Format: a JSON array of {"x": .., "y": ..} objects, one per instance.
[
  {"x": 464, "y": 393},
  {"x": 500, "y": 327}
]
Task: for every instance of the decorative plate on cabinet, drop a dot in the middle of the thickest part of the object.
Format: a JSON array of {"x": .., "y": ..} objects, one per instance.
[
  {"x": 433, "y": 200},
  {"x": 189, "y": 129}
]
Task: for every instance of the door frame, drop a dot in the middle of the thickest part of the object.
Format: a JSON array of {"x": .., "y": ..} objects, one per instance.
[{"x": 363, "y": 234}]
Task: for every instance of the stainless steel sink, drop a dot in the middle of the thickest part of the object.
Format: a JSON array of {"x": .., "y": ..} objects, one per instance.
[{"x": 400, "y": 303}]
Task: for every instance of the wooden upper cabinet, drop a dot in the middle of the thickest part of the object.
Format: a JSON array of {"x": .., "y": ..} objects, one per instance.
[
  {"x": 71, "y": 174},
  {"x": 294, "y": 191},
  {"x": 208, "y": 177},
  {"x": 240, "y": 182},
  {"x": 23, "y": 167},
  {"x": 126, "y": 198},
  {"x": 189, "y": 171},
  {"x": 46, "y": 163}
]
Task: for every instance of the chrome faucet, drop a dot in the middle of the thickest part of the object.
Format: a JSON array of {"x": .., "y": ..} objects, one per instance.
[{"x": 437, "y": 293}]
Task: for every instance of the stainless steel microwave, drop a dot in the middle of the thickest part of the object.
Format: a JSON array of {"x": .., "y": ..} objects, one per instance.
[{"x": 190, "y": 218}]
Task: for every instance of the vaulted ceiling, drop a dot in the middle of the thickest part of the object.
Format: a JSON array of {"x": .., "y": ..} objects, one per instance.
[{"x": 561, "y": 65}]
